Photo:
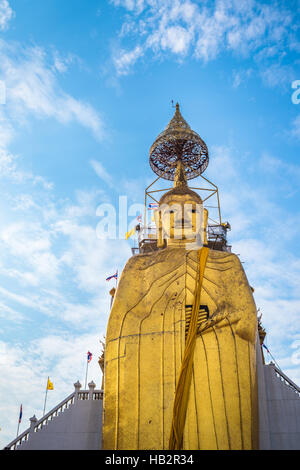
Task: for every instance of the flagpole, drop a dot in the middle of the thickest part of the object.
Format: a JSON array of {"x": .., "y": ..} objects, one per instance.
[
  {"x": 87, "y": 365},
  {"x": 19, "y": 423},
  {"x": 46, "y": 397}
]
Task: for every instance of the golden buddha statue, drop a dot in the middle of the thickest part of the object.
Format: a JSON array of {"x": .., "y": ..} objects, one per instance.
[{"x": 180, "y": 357}]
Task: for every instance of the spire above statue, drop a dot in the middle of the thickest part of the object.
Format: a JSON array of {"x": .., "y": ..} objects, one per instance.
[
  {"x": 180, "y": 186},
  {"x": 177, "y": 121},
  {"x": 180, "y": 176},
  {"x": 178, "y": 142}
]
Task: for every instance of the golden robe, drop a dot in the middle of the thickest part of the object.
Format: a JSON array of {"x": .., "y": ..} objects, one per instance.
[{"x": 145, "y": 343}]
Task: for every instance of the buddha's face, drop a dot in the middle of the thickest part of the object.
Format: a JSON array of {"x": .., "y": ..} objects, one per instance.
[{"x": 181, "y": 218}]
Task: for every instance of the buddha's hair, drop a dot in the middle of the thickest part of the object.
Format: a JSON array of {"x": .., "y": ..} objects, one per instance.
[{"x": 180, "y": 191}]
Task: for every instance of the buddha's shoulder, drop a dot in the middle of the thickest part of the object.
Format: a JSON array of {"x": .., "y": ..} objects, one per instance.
[
  {"x": 175, "y": 256},
  {"x": 146, "y": 260},
  {"x": 223, "y": 257}
]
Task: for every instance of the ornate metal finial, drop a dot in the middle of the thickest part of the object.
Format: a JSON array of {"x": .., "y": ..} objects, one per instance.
[
  {"x": 178, "y": 142},
  {"x": 180, "y": 186},
  {"x": 180, "y": 176}
]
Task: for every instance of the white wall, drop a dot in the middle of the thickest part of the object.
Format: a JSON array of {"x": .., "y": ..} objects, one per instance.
[
  {"x": 279, "y": 410},
  {"x": 77, "y": 428},
  {"x": 283, "y": 411}
]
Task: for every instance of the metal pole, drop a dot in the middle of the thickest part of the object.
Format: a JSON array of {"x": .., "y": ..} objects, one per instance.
[
  {"x": 46, "y": 397},
  {"x": 219, "y": 207},
  {"x": 87, "y": 365},
  {"x": 145, "y": 211},
  {"x": 18, "y": 423}
]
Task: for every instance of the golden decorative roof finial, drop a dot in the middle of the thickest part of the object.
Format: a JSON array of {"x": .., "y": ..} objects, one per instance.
[
  {"x": 177, "y": 122},
  {"x": 180, "y": 176},
  {"x": 180, "y": 186},
  {"x": 178, "y": 142}
]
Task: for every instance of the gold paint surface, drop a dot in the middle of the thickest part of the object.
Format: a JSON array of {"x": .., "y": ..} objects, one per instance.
[{"x": 144, "y": 348}]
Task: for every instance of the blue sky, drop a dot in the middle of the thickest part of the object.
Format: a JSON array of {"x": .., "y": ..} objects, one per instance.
[{"x": 88, "y": 88}]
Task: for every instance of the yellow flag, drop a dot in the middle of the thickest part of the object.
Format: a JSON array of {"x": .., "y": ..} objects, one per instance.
[
  {"x": 50, "y": 385},
  {"x": 130, "y": 233}
]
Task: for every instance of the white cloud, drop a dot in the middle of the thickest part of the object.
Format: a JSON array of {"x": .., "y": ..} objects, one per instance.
[
  {"x": 61, "y": 63},
  {"x": 58, "y": 268},
  {"x": 275, "y": 166},
  {"x": 84, "y": 205},
  {"x": 101, "y": 172},
  {"x": 131, "y": 5},
  {"x": 63, "y": 358},
  {"x": 241, "y": 76},
  {"x": 31, "y": 244},
  {"x": 6, "y": 130},
  {"x": 32, "y": 88},
  {"x": 124, "y": 60},
  {"x": 177, "y": 39},
  {"x": 6, "y": 14},
  {"x": 278, "y": 75},
  {"x": 10, "y": 314},
  {"x": 56, "y": 248},
  {"x": 207, "y": 29},
  {"x": 23, "y": 300},
  {"x": 9, "y": 169},
  {"x": 52, "y": 265},
  {"x": 89, "y": 257}
]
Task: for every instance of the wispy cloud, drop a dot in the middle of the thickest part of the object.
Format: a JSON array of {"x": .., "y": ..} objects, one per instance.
[
  {"x": 33, "y": 89},
  {"x": 53, "y": 270},
  {"x": 52, "y": 266},
  {"x": 63, "y": 357},
  {"x": 207, "y": 29},
  {"x": 124, "y": 60},
  {"x": 9, "y": 169},
  {"x": 6, "y": 14},
  {"x": 101, "y": 172},
  {"x": 241, "y": 76}
]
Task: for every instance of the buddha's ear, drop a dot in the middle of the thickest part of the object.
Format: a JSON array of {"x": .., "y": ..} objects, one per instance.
[{"x": 159, "y": 230}]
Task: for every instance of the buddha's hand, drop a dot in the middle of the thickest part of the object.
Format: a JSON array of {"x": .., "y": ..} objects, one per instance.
[
  {"x": 241, "y": 325},
  {"x": 222, "y": 319}
]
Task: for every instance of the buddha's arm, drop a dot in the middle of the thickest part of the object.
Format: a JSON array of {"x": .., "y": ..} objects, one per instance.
[
  {"x": 140, "y": 287},
  {"x": 236, "y": 305}
]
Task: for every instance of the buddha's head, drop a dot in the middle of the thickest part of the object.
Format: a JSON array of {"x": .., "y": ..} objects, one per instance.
[{"x": 179, "y": 218}]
